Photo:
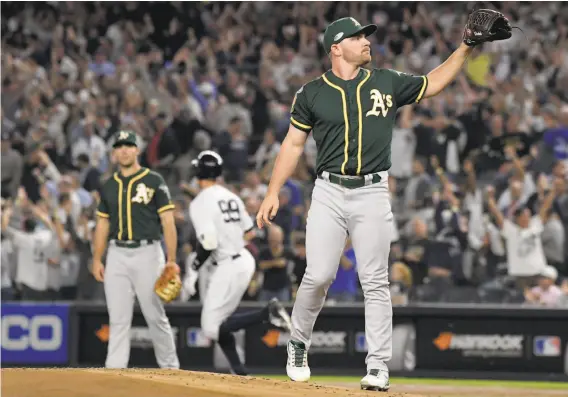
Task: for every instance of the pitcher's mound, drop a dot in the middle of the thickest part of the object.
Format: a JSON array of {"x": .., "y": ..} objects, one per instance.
[{"x": 73, "y": 382}]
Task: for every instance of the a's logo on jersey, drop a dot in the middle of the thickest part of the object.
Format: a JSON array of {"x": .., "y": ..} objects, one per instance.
[
  {"x": 381, "y": 104},
  {"x": 144, "y": 194}
]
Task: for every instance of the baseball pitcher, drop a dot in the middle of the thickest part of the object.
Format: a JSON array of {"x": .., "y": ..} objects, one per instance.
[{"x": 350, "y": 111}]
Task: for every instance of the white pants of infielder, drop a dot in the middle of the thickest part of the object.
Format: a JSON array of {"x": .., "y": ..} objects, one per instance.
[
  {"x": 131, "y": 272},
  {"x": 365, "y": 213}
]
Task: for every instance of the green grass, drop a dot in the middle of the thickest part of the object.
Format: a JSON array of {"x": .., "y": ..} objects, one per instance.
[{"x": 446, "y": 382}]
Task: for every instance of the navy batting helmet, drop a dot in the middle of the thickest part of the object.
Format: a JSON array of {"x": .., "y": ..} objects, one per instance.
[{"x": 208, "y": 165}]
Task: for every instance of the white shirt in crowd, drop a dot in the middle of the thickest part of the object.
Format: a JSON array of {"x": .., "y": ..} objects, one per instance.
[
  {"x": 525, "y": 256},
  {"x": 34, "y": 250},
  {"x": 94, "y": 147},
  {"x": 473, "y": 202},
  {"x": 219, "y": 215},
  {"x": 6, "y": 269},
  {"x": 311, "y": 151},
  {"x": 66, "y": 272},
  {"x": 259, "y": 191},
  {"x": 529, "y": 188},
  {"x": 265, "y": 153},
  {"x": 403, "y": 148}
]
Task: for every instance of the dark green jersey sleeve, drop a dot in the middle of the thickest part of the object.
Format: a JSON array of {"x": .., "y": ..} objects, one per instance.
[
  {"x": 163, "y": 197},
  {"x": 408, "y": 88},
  {"x": 102, "y": 209},
  {"x": 300, "y": 114}
]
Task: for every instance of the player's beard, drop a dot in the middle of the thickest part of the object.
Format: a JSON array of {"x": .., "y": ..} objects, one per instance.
[
  {"x": 365, "y": 58},
  {"x": 359, "y": 59}
]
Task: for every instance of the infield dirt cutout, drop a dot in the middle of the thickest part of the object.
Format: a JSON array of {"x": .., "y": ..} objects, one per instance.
[{"x": 73, "y": 382}]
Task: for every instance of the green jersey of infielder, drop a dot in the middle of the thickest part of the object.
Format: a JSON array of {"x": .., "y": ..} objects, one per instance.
[
  {"x": 133, "y": 205},
  {"x": 135, "y": 208},
  {"x": 350, "y": 110}
]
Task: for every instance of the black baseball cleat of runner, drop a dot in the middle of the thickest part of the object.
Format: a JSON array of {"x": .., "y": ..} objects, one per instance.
[
  {"x": 239, "y": 370},
  {"x": 278, "y": 316}
]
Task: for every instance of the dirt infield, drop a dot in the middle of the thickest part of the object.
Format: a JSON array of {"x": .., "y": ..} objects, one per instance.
[
  {"x": 71, "y": 382},
  {"x": 159, "y": 383}
]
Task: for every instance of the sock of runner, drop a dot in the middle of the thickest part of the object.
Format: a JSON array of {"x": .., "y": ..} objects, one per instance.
[
  {"x": 227, "y": 343},
  {"x": 239, "y": 321}
]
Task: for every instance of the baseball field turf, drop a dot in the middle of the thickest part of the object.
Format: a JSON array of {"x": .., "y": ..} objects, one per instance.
[
  {"x": 442, "y": 382},
  {"x": 424, "y": 387}
]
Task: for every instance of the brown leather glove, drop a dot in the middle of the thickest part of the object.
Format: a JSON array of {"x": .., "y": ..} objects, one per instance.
[{"x": 168, "y": 285}]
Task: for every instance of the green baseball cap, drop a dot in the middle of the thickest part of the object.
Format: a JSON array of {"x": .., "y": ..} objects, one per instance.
[
  {"x": 125, "y": 138},
  {"x": 342, "y": 29}
]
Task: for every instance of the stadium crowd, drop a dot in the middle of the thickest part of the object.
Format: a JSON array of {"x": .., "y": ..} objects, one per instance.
[{"x": 479, "y": 179}]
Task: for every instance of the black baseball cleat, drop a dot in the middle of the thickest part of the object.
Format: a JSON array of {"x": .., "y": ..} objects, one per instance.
[
  {"x": 278, "y": 316},
  {"x": 239, "y": 370}
]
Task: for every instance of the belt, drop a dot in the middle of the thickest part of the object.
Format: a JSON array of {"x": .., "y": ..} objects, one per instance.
[
  {"x": 350, "y": 182},
  {"x": 214, "y": 263},
  {"x": 131, "y": 243}
]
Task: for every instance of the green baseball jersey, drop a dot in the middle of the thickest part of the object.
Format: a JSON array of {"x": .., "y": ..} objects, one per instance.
[
  {"x": 133, "y": 204},
  {"x": 352, "y": 120}
]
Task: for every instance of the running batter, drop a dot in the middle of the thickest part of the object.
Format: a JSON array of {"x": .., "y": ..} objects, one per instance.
[
  {"x": 135, "y": 207},
  {"x": 351, "y": 112},
  {"x": 222, "y": 226}
]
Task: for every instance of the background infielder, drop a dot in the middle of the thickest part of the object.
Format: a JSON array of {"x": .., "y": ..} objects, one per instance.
[
  {"x": 351, "y": 112},
  {"x": 135, "y": 206},
  {"x": 222, "y": 225}
]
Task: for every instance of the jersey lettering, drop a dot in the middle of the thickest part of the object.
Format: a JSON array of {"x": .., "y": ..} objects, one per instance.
[
  {"x": 144, "y": 194},
  {"x": 381, "y": 104},
  {"x": 230, "y": 210}
]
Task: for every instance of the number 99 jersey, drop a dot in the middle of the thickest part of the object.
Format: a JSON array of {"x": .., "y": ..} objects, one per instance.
[{"x": 220, "y": 221}]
